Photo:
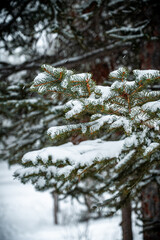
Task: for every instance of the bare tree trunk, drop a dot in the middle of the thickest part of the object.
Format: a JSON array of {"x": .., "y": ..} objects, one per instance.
[
  {"x": 151, "y": 211},
  {"x": 88, "y": 202},
  {"x": 55, "y": 208},
  {"x": 127, "y": 221}
]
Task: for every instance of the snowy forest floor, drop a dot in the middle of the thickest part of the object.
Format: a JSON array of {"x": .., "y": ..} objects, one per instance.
[{"x": 26, "y": 214}]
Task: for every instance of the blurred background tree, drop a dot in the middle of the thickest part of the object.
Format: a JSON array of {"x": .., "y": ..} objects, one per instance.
[{"x": 71, "y": 33}]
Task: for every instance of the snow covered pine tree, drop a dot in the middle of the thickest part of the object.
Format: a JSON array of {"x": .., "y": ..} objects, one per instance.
[{"x": 121, "y": 167}]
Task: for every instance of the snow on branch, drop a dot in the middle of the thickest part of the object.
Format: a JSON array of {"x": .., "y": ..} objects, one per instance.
[
  {"x": 128, "y": 107},
  {"x": 71, "y": 157}
]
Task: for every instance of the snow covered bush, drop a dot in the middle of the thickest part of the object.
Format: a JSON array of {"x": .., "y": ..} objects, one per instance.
[{"x": 119, "y": 167}]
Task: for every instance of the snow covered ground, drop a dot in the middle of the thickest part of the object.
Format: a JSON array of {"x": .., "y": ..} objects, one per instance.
[{"x": 26, "y": 214}]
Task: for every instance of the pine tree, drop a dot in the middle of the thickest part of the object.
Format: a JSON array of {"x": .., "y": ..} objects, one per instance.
[
  {"x": 86, "y": 34},
  {"x": 21, "y": 120},
  {"x": 24, "y": 118},
  {"x": 121, "y": 167}
]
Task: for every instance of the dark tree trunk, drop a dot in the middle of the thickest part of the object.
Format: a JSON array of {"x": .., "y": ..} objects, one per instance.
[
  {"x": 150, "y": 56},
  {"x": 127, "y": 221},
  {"x": 151, "y": 211}
]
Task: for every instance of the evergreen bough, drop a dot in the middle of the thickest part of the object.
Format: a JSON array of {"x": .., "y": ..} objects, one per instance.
[{"x": 120, "y": 167}]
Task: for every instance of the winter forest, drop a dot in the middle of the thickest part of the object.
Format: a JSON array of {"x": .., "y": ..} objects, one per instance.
[{"x": 80, "y": 120}]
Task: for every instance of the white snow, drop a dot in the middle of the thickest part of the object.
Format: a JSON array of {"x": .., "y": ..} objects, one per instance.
[
  {"x": 26, "y": 214},
  {"x": 151, "y": 148},
  {"x": 131, "y": 140},
  {"x": 76, "y": 107},
  {"x": 126, "y": 29},
  {"x": 97, "y": 124},
  {"x": 122, "y": 122},
  {"x": 41, "y": 77},
  {"x": 64, "y": 83},
  {"x": 152, "y": 106},
  {"x": 53, "y": 131},
  {"x": 104, "y": 90},
  {"x": 80, "y": 77},
  {"x": 125, "y": 160},
  {"x": 115, "y": 73},
  {"x": 145, "y": 73},
  {"x": 72, "y": 157},
  {"x": 82, "y": 154}
]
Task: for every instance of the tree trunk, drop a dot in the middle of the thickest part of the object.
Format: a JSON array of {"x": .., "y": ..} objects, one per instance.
[
  {"x": 88, "y": 203},
  {"x": 151, "y": 211},
  {"x": 127, "y": 221},
  {"x": 55, "y": 208}
]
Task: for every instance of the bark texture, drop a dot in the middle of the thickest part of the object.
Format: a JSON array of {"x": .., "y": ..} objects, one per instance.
[
  {"x": 151, "y": 211},
  {"x": 127, "y": 221}
]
